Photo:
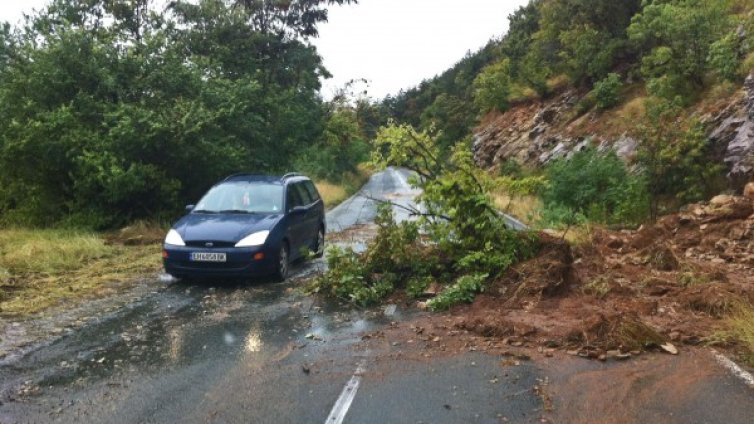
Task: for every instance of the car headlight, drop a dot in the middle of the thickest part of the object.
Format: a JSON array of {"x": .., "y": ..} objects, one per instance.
[
  {"x": 256, "y": 239},
  {"x": 174, "y": 238}
]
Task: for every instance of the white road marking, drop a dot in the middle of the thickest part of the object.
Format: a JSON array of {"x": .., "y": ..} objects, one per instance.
[
  {"x": 737, "y": 371},
  {"x": 340, "y": 409}
]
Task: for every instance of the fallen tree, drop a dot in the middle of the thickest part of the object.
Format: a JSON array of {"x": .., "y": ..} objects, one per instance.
[{"x": 456, "y": 238}]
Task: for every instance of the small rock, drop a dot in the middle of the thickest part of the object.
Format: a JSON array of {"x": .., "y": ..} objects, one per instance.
[
  {"x": 623, "y": 356},
  {"x": 432, "y": 290},
  {"x": 685, "y": 219},
  {"x": 669, "y": 348},
  {"x": 749, "y": 191},
  {"x": 722, "y": 200}
]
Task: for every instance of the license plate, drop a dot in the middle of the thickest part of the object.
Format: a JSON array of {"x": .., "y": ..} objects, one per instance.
[{"x": 208, "y": 257}]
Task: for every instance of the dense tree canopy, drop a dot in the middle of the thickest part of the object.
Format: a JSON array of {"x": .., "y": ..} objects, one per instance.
[{"x": 112, "y": 110}]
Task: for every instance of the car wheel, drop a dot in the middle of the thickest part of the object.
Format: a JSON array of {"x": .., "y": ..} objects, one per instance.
[
  {"x": 281, "y": 273},
  {"x": 319, "y": 243}
]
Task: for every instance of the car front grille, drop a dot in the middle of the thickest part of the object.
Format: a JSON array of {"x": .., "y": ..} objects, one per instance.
[{"x": 209, "y": 244}]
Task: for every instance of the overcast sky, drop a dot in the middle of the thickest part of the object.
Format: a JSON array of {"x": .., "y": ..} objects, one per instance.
[{"x": 392, "y": 43}]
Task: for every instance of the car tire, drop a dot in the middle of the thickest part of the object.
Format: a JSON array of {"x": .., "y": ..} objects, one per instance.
[
  {"x": 283, "y": 263},
  {"x": 319, "y": 243}
]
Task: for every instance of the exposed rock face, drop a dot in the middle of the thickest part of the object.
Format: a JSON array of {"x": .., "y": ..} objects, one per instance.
[
  {"x": 536, "y": 133},
  {"x": 734, "y": 133},
  {"x": 528, "y": 134}
]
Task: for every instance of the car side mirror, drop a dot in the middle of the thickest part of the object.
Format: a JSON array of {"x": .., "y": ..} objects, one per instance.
[{"x": 190, "y": 208}]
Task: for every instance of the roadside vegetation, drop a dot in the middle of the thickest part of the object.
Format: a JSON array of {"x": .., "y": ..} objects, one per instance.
[
  {"x": 45, "y": 268},
  {"x": 739, "y": 329},
  {"x": 334, "y": 194}
]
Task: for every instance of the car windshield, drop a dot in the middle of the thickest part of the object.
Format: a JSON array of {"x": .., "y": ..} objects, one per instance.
[{"x": 242, "y": 197}]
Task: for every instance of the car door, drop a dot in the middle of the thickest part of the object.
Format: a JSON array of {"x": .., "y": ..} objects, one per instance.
[
  {"x": 309, "y": 232},
  {"x": 319, "y": 205},
  {"x": 296, "y": 220}
]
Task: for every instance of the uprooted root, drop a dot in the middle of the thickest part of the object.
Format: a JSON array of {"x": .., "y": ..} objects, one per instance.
[{"x": 623, "y": 332}]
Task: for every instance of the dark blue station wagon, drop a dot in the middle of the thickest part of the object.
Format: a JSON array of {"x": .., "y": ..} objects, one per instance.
[{"x": 247, "y": 226}]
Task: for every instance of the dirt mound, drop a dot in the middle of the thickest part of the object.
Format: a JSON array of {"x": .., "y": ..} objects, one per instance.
[
  {"x": 549, "y": 274},
  {"x": 623, "y": 293},
  {"x": 715, "y": 299},
  {"x": 661, "y": 257}
]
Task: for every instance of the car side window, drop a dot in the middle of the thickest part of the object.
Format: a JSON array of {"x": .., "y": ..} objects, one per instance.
[
  {"x": 303, "y": 193},
  {"x": 292, "y": 198},
  {"x": 312, "y": 190}
]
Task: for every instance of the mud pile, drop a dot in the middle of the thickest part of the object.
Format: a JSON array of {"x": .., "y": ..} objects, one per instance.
[{"x": 657, "y": 288}]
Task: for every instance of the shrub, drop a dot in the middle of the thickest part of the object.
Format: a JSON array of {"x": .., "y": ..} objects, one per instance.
[
  {"x": 607, "y": 92},
  {"x": 594, "y": 186},
  {"x": 462, "y": 291},
  {"x": 676, "y": 158},
  {"x": 492, "y": 87},
  {"x": 724, "y": 57}
]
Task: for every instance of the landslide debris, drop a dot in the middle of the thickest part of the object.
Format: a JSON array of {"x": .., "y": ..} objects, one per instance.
[{"x": 664, "y": 285}]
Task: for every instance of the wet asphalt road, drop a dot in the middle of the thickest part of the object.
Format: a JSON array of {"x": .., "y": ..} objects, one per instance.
[{"x": 264, "y": 353}]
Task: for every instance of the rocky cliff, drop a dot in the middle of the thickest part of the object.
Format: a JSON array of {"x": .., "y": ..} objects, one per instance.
[{"x": 538, "y": 132}]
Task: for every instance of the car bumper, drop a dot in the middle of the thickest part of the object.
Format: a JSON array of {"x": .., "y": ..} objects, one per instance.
[{"x": 240, "y": 262}]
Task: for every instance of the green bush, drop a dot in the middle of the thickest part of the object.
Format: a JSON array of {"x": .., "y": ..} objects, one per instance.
[
  {"x": 464, "y": 290},
  {"x": 725, "y": 58},
  {"x": 607, "y": 91},
  {"x": 492, "y": 87},
  {"x": 594, "y": 186},
  {"x": 111, "y": 117},
  {"x": 676, "y": 158}
]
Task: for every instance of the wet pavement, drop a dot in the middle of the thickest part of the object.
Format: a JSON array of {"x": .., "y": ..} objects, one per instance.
[{"x": 265, "y": 353}]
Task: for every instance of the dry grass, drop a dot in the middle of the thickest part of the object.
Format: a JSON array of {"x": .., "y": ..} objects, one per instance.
[
  {"x": 748, "y": 64},
  {"x": 138, "y": 233},
  {"x": 45, "y": 251},
  {"x": 558, "y": 83},
  {"x": 334, "y": 194},
  {"x": 740, "y": 329},
  {"x": 44, "y": 268},
  {"x": 742, "y": 6},
  {"x": 623, "y": 118},
  {"x": 580, "y": 235},
  {"x": 522, "y": 94},
  {"x": 525, "y": 208}
]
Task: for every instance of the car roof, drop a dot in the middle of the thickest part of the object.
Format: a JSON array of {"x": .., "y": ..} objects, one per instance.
[{"x": 256, "y": 178}]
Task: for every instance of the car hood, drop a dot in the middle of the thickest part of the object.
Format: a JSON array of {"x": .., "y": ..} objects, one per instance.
[{"x": 229, "y": 228}]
